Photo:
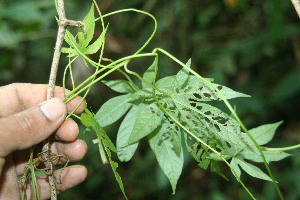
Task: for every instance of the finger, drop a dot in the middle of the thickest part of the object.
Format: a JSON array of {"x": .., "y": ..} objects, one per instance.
[
  {"x": 27, "y": 128},
  {"x": 69, "y": 177},
  {"x": 17, "y": 97},
  {"x": 71, "y": 152},
  {"x": 74, "y": 151},
  {"x": 68, "y": 131}
]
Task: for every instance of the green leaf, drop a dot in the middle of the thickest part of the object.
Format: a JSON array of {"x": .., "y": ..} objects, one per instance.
[
  {"x": 235, "y": 167},
  {"x": 114, "y": 165},
  {"x": 113, "y": 109},
  {"x": 211, "y": 121},
  {"x": 93, "y": 48},
  {"x": 70, "y": 39},
  {"x": 147, "y": 121},
  {"x": 167, "y": 84},
  {"x": 269, "y": 155},
  {"x": 121, "y": 86},
  {"x": 252, "y": 170},
  {"x": 126, "y": 150},
  {"x": 201, "y": 91},
  {"x": 264, "y": 134},
  {"x": 229, "y": 93},
  {"x": 108, "y": 143},
  {"x": 169, "y": 160},
  {"x": 183, "y": 74},
  {"x": 87, "y": 119},
  {"x": 89, "y": 21},
  {"x": 149, "y": 75},
  {"x": 67, "y": 50}
]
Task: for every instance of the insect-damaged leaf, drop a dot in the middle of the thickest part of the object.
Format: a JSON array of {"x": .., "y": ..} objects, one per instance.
[
  {"x": 199, "y": 90},
  {"x": 113, "y": 109},
  {"x": 126, "y": 150},
  {"x": 169, "y": 159},
  {"x": 121, "y": 86},
  {"x": 212, "y": 121},
  {"x": 148, "y": 119}
]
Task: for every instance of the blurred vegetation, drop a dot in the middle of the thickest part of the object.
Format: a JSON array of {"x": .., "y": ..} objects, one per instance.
[{"x": 252, "y": 46}]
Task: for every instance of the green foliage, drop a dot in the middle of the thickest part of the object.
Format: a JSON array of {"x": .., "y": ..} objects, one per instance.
[
  {"x": 166, "y": 145},
  {"x": 84, "y": 36},
  {"x": 168, "y": 111},
  {"x": 185, "y": 97},
  {"x": 260, "y": 61},
  {"x": 105, "y": 144}
]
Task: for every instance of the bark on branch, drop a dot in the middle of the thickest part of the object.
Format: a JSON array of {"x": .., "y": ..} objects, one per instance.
[
  {"x": 63, "y": 22},
  {"x": 296, "y": 4}
]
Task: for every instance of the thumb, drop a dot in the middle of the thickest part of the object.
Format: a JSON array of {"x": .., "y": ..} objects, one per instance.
[{"x": 30, "y": 127}]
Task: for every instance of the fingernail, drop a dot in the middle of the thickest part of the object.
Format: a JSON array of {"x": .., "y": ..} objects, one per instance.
[{"x": 53, "y": 109}]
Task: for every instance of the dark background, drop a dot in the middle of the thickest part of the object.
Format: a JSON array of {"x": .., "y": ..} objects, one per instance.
[{"x": 251, "y": 46}]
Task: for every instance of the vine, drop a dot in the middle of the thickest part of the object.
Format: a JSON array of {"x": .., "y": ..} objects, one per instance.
[{"x": 173, "y": 113}]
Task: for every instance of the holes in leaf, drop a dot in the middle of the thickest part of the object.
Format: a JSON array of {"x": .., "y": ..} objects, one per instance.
[{"x": 207, "y": 95}]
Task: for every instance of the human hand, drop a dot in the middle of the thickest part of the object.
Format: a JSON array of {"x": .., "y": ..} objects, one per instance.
[{"x": 26, "y": 120}]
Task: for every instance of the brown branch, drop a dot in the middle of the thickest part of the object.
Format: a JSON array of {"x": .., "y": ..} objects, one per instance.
[
  {"x": 296, "y": 4},
  {"x": 46, "y": 154}
]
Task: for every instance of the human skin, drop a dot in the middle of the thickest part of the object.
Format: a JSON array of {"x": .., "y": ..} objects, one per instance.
[{"x": 26, "y": 119}]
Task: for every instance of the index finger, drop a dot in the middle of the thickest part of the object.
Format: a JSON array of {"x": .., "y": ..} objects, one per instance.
[{"x": 17, "y": 97}]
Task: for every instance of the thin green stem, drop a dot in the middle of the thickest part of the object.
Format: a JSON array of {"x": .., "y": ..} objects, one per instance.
[
  {"x": 143, "y": 80},
  {"x": 231, "y": 110},
  {"x": 111, "y": 65},
  {"x": 33, "y": 176},
  {"x": 138, "y": 11},
  {"x": 129, "y": 79},
  {"x": 282, "y": 148},
  {"x": 71, "y": 74},
  {"x": 93, "y": 82}
]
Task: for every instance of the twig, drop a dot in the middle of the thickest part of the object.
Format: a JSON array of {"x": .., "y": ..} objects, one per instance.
[
  {"x": 296, "y": 4},
  {"x": 63, "y": 22}
]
